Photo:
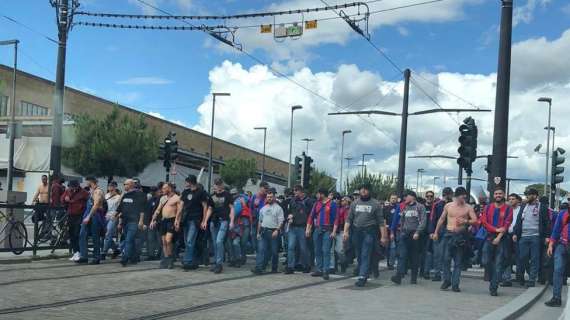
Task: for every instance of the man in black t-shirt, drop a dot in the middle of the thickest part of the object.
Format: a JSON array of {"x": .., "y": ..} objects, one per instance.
[
  {"x": 195, "y": 207},
  {"x": 131, "y": 219},
  {"x": 222, "y": 215}
]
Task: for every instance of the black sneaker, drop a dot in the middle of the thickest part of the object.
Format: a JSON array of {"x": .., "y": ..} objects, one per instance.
[
  {"x": 317, "y": 274},
  {"x": 94, "y": 262},
  {"x": 414, "y": 280},
  {"x": 332, "y": 271},
  {"x": 554, "y": 302},
  {"x": 82, "y": 261},
  {"x": 361, "y": 282},
  {"x": 343, "y": 268},
  {"x": 530, "y": 284},
  {"x": 218, "y": 269},
  {"x": 326, "y": 276},
  {"x": 445, "y": 285},
  {"x": 493, "y": 293},
  {"x": 397, "y": 279},
  {"x": 163, "y": 264},
  {"x": 123, "y": 263},
  {"x": 426, "y": 276},
  {"x": 307, "y": 270},
  {"x": 256, "y": 271},
  {"x": 436, "y": 278},
  {"x": 506, "y": 284},
  {"x": 289, "y": 271},
  {"x": 455, "y": 289}
]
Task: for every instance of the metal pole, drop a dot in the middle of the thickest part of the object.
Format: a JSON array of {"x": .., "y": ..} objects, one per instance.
[
  {"x": 341, "y": 160},
  {"x": 290, "y": 149},
  {"x": 363, "y": 166},
  {"x": 348, "y": 172},
  {"x": 403, "y": 135},
  {"x": 263, "y": 165},
  {"x": 501, "y": 125},
  {"x": 10, "y": 174},
  {"x": 547, "y": 149},
  {"x": 418, "y": 180},
  {"x": 468, "y": 185},
  {"x": 210, "y": 165}
]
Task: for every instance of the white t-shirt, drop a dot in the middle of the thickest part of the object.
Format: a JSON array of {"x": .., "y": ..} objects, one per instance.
[{"x": 112, "y": 204}]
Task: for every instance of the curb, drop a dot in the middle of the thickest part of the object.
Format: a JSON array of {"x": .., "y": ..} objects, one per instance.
[
  {"x": 31, "y": 259},
  {"x": 517, "y": 306},
  {"x": 566, "y": 312}
]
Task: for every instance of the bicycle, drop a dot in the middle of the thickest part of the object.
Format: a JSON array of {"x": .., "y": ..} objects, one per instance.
[{"x": 15, "y": 232}]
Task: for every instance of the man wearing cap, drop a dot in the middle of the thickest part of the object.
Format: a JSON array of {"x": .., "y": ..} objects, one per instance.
[
  {"x": 367, "y": 221},
  {"x": 322, "y": 217},
  {"x": 496, "y": 219},
  {"x": 389, "y": 212},
  {"x": 92, "y": 223},
  {"x": 412, "y": 219},
  {"x": 195, "y": 211},
  {"x": 437, "y": 245},
  {"x": 242, "y": 229},
  {"x": 113, "y": 198},
  {"x": 531, "y": 231},
  {"x": 298, "y": 214},
  {"x": 75, "y": 201},
  {"x": 511, "y": 252},
  {"x": 457, "y": 216}
]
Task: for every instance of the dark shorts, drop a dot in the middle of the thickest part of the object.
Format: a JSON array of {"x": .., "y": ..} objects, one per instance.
[{"x": 167, "y": 226}]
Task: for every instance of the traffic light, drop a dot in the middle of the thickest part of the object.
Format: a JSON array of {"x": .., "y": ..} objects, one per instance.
[
  {"x": 298, "y": 169},
  {"x": 306, "y": 170},
  {"x": 557, "y": 169},
  {"x": 170, "y": 145},
  {"x": 468, "y": 144}
]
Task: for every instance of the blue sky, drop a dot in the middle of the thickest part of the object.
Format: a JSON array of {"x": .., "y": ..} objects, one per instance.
[{"x": 173, "y": 72}]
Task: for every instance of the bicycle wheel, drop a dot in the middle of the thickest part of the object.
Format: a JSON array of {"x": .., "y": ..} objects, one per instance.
[{"x": 18, "y": 237}]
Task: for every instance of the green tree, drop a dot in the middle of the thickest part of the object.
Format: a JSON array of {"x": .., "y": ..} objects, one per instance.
[
  {"x": 540, "y": 188},
  {"x": 320, "y": 179},
  {"x": 381, "y": 186},
  {"x": 236, "y": 172},
  {"x": 111, "y": 146}
]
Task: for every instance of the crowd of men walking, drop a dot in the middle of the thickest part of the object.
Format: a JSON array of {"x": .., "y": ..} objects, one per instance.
[{"x": 319, "y": 234}]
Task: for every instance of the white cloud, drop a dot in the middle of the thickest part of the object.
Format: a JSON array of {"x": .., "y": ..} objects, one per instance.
[
  {"x": 160, "y": 116},
  {"x": 525, "y": 13},
  {"x": 183, "y": 5},
  {"x": 144, "y": 81},
  {"x": 259, "y": 98},
  {"x": 403, "y": 31}
]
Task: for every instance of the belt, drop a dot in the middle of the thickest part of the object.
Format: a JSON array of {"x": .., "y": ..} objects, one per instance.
[{"x": 270, "y": 229}]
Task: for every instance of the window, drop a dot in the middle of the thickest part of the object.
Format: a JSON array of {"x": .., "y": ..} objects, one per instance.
[
  {"x": 3, "y": 106},
  {"x": 28, "y": 109}
]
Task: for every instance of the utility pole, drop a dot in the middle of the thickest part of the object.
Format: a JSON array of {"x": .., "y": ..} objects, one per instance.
[
  {"x": 293, "y": 108},
  {"x": 12, "y": 123},
  {"x": 264, "y": 139},
  {"x": 342, "y": 155},
  {"x": 501, "y": 126},
  {"x": 64, "y": 10},
  {"x": 348, "y": 170},
  {"x": 363, "y": 165},
  {"x": 403, "y": 136}
]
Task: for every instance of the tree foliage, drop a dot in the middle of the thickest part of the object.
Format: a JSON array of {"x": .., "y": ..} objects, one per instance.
[
  {"x": 381, "y": 186},
  {"x": 540, "y": 188},
  {"x": 114, "y": 145},
  {"x": 320, "y": 179},
  {"x": 236, "y": 172}
]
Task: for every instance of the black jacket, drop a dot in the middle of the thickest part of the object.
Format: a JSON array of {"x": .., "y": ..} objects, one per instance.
[{"x": 543, "y": 225}]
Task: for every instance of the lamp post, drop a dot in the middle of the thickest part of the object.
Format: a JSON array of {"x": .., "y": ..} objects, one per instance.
[
  {"x": 363, "y": 165},
  {"x": 12, "y": 126},
  {"x": 419, "y": 172},
  {"x": 264, "y": 139},
  {"x": 434, "y": 178},
  {"x": 210, "y": 164},
  {"x": 549, "y": 101},
  {"x": 307, "y": 140},
  {"x": 293, "y": 108},
  {"x": 347, "y": 168},
  {"x": 342, "y": 155}
]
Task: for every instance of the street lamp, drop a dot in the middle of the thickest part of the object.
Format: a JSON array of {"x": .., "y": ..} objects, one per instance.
[
  {"x": 549, "y": 101},
  {"x": 307, "y": 140},
  {"x": 342, "y": 155},
  {"x": 210, "y": 164},
  {"x": 293, "y": 108},
  {"x": 434, "y": 178},
  {"x": 264, "y": 139},
  {"x": 363, "y": 165},
  {"x": 419, "y": 172},
  {"x": 12, "y": 126}
]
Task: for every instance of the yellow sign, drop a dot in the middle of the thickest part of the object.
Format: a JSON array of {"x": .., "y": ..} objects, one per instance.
[
  {"x": 311, "y": 24},
  {"x": 266, "y": 28}
]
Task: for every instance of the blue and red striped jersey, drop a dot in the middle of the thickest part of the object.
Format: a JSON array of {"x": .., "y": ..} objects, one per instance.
[{"x": 323, "y": 214}]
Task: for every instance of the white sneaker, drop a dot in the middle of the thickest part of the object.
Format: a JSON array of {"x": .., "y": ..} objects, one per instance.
[{"x": 75, "y": 257}]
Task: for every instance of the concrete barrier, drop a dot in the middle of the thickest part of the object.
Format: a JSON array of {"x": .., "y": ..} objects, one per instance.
[{"x": 517, "y": 306}]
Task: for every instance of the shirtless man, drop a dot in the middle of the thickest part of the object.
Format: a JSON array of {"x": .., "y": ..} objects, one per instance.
[
  {"x": 459, "y": 215},
  {"x": 41, "y": 200},
  {"x": 170, "y": 206},
  {"x": 92, "y": 223}
]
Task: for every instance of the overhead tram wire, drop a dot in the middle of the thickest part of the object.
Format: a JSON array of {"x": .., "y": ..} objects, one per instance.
[{"x": 30, "y": 29}]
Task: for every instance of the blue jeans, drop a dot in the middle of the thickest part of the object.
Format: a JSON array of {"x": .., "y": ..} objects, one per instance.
[
  {"x": 455, "y": 253},
  {"x": 493, "y": 257},
  {"x": 218, "y": 237},
  {"x": 296, "y": 236},
  {"x": 409, "y": 250},
  {"x": 94, "y": 228},
  {"x": 239, "y": 243},
  {"x": 437, "y": 255},
  {"x": 393, "y": 255},
  {"x": 110, "y": 233},
  {"x": 267, "y": 247},
  {"x": 364, "y": 244},
  {"x": 129, "y": 249},
  {"x": 529, "y": 247},
  {"x": 322, "y": 241},
  {"x": 338, "y": 247},
  {"x": 191, "y": 231},
  {"x": 560, "y": 256}
]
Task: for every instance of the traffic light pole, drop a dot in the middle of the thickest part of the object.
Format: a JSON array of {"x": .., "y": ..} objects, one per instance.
[
  {"x": 501, "y": 126},
  {"x": 403, "y": 136}
]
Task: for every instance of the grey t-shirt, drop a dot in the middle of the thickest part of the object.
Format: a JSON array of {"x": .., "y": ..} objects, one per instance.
[
  {"x": 413, "y": 218},
  {"x": 366, "y": 214},
  {"x": 531, "y": 220}
]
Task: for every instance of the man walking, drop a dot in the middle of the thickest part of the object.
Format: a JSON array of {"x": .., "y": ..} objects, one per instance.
[
  {"x": 437, "y": 245},
  {"x": 195, "y": 214},
  {"x": 558, "y": 248},
  {"x": 531, "y": 232},
  {"x": 389, "y": 212},
  {"x": 299, "y": 210},
  {"x": 168, "y": 210},
  {"x": 270, "y": 222},
  {"x": 75, "y": 201},
  {"x": 322, "y": 217},
  {"x": 457, "y": 216},
  {"x": 131, "y": 220},
  {"x": 496, "y": 219},
  {"x": 511, "y": 252},
  {"x": 92, "y": 223},
  {"x": 367, "y": 221},
  {"x": 412, "y": 218},
  {"x": 241, "y": 231}
]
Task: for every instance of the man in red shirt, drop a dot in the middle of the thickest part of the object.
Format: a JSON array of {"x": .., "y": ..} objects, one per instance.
[
  {"x": 75, "y": 200},
  {"x": 496, "y": 219}
]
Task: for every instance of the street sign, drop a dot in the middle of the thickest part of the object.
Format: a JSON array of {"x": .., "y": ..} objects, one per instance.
[
  {"x": 295, "y": 30},
  {"x": 311, "y": 24},
  {"x": 266, "y": 28},
  {"x": 280, "y": 31}
]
